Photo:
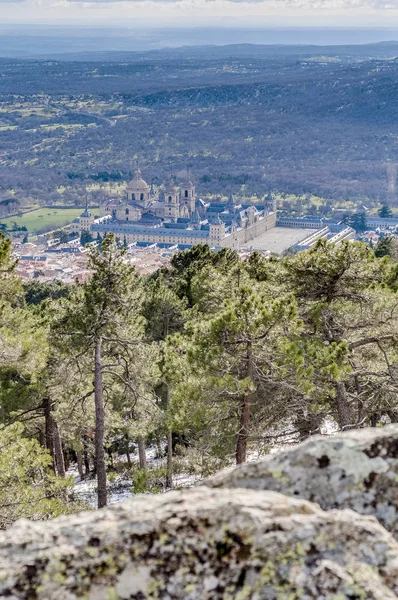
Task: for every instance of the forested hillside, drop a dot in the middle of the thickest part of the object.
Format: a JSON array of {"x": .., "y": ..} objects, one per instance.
[
  {"x": 243, "y": 120},
  {"x": 206, "y": 361}
]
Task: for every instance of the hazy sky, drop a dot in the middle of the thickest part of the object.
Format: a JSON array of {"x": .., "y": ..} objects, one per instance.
[{"x": 368, "y": 13}]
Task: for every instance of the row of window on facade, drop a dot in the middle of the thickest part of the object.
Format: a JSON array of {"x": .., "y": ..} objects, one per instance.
[
  {"x": 142, "y": 196},
  {"x": 134, "y": 238}
]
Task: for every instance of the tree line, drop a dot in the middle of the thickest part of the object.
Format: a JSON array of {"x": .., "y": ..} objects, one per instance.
[{"x": 209, "y": 359}]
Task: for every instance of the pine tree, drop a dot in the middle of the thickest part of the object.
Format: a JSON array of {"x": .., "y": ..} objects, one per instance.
[
  {"x": 358, "y": 222},
  {"x": 384, "y": 247},
  {"x": 385, "y": 212},
  {"x": 99, "y": 330},
  {"x": 165, "y": 314},
  {"x": 28, "y": 488},
  {"x": 240, "y": 361},
  {"x": 186, "y": 265},
  {"x": 85, "y": 238},
  {"x": 346, "y": 296},
  {"x": 23, "y": 345}
]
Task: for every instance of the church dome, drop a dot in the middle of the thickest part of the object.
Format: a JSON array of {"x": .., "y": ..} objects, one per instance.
[{"x": 138, "y": 184}]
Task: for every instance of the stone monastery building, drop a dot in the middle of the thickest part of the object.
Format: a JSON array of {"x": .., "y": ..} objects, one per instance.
[{"x": 175, "y": 216}]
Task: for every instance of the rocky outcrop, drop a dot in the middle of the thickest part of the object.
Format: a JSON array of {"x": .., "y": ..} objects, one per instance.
[
  {"x": 223, "y": 542},
  {"x": 202, "y": 544},
  {"x": 356, "y": 469}
]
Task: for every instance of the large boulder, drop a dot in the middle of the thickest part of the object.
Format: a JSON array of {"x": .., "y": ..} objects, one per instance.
[
  {"x": 355, "y": 469},
  {"x": 202, "y": 544}
]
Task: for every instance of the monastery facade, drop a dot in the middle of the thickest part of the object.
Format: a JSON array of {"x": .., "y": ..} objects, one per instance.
[{"x": 175, "y": 216}]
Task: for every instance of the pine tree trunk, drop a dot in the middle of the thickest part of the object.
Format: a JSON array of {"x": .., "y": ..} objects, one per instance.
[
  {"x": 243, "y": 433},
  {"x": 67, "y": 457},
  {"x": 86, "y": 460},
  {"x": 307, "y": 425},
  {"x": 49, "y": 430},
  {"x": 58, "y": 452},
  {"x": 245, "y": 413},
  {"x": 169, "y": 468},
  {"x": 159, "y": 449},
  {"x": 344, "y": 411},
  {"x": 79, "y": 458},
  {"x": 99, "y": 427},
  {"x": 142, "y": 453},
  {"x": 128, "y": 456},
  {"x": 42, "y": 436}
]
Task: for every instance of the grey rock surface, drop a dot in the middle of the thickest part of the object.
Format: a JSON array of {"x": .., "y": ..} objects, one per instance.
[
  {"x": 202, "y": 544},
  {"x": 355, "y": 469}
]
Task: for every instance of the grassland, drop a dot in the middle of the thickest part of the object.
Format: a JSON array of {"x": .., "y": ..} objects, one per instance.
[{"x": 44, "y": 218}]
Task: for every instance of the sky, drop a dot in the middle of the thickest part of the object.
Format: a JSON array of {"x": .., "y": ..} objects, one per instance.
[{"x": 165, "y": 13}]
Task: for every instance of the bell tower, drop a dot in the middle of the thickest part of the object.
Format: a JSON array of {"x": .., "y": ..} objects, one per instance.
[
  {"x": 171, "y": 205},
  {"x": 188, "y": 196},
  {"x": 269, "y": 203}
]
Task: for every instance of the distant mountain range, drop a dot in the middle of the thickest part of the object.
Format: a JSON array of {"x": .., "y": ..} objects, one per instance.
[
  {"x": 361, "y": 51},
  {"x": 84, "y": 44}
]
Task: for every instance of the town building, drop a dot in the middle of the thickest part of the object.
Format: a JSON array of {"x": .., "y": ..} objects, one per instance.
[
  {"x": 86, "y": 221},
  {"x": 322, "y": 228}
]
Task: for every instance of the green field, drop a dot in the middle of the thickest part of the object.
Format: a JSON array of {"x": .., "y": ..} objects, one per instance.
[{"x": 45, "y": 218}]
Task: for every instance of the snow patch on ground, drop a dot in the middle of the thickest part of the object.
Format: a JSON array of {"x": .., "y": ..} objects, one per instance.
[
  {"x": 86, "y": 490},
  {"x": 122, "y": 489}
]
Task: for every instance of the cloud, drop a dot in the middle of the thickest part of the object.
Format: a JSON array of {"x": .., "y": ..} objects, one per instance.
[
  {"x": 268, "y": 13},
  {"x": 318, "y": 5}
]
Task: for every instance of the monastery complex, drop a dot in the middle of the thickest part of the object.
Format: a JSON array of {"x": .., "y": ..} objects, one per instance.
[{"x": 176, "y": 216}]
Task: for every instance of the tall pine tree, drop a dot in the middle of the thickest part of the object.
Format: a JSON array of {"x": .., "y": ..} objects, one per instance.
[{"x": 98, "y": 331}]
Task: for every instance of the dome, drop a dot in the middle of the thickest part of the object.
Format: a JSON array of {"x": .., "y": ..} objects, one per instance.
[{"x": 138, "y": 184}]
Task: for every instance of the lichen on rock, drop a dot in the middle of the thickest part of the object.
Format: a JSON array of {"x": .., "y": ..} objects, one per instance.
[
  {"x": 224, "y": 542},
  {"x": 201, "y": 544},
  {"x": 355, "y": 469}
]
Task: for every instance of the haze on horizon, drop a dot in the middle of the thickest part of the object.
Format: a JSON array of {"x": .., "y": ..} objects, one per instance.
[{"x": 367, "y": 14}]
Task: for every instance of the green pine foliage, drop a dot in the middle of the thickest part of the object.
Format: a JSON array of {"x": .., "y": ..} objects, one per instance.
[
  {"x": 209, "y": 360},
  {"x": 28, "y": 487},
  {"x": 385, "y": 212}
]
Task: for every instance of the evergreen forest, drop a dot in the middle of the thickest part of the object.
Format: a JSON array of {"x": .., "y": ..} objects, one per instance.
[{"x": 209, "y": 361}]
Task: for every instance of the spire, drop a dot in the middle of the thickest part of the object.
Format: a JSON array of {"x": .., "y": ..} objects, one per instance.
[
  {"x": 86, "y": 212},
  {"x": 170, "y": 187},
  {"x": 137, "y": 171},
  {"x": 195, "y": 217},
  {"x": 231, "y": 203},
  {"x": 187, "y": 179}
]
